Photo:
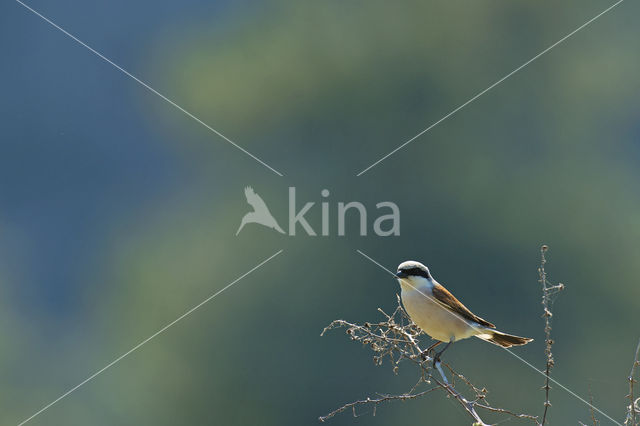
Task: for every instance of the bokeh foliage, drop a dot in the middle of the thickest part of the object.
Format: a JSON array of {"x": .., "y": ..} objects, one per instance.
[{"x": 320, "y": 90}]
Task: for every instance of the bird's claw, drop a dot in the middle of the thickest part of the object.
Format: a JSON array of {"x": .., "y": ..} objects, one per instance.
[{"x": 436, "y": 360}]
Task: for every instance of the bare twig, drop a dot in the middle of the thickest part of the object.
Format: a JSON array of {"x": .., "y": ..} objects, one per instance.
[
  {"x": 534, "y": 419},
  {"x": 375, "y": 402},
  {"x": 396, "y": 339},
  {"x": 481, "y": 395},
  {"x": 469, "y": 406},
  {"x": 591, "y": 410},
  {"x": 547, "y": 292},
  {"x": 633, "y": 409}
]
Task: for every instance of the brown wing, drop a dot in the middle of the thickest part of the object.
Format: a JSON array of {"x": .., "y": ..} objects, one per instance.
[{"x": 450, "y": 302}]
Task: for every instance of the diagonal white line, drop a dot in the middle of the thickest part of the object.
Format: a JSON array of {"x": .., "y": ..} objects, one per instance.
[
  {"x": 518, "y": 357},
  {"x": 145, "y": 85},
  {"x": 491, "y": 87},
  {"x": 190, "y": 311}
]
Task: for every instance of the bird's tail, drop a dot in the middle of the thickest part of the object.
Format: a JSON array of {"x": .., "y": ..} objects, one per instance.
[{"x": 503, "y": 339}]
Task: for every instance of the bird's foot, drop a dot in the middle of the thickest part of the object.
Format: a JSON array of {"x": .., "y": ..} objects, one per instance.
[{"x": 436, "y": 360}]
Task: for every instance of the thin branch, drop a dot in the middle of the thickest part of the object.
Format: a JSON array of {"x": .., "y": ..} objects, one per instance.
[
  {"x": 534, "y": 419},
  {"x": 375, "y": 402},
  {"x": 481, "y": 395},
  {"x": 469, "y": 406},
  {"x": 547, "y": 292},
  {"x": 591, "y": 410},
  {"x": 633, "y": 410}
]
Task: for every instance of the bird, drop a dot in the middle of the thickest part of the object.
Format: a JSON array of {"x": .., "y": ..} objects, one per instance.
[
  {"x": 260, "y": 213},
  {"x": 440, "y": 315}
]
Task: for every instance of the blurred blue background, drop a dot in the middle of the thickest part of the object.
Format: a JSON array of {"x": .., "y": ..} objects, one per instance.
[{"x": 118, "y": 212}]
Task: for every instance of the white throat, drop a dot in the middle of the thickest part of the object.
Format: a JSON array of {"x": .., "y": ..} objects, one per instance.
[{"x": 416, "y": 283}]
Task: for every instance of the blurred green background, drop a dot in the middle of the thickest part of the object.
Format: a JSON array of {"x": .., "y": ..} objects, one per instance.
[{"x": 118, "y": 213}]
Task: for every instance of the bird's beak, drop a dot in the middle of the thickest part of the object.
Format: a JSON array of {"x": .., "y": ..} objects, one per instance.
[{"x": 401, "y": 274}]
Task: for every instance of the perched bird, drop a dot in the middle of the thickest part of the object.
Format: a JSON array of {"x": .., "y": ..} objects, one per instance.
[
  {"x": 439, "y": 314},
  {"x": 260, "y": 213}
]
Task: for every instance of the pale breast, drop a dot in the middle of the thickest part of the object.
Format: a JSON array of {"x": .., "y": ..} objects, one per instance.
[{"x": 435, "y": 320}]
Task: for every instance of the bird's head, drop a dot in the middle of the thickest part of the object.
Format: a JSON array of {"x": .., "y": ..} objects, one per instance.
[{"x": 415, "y": 272}]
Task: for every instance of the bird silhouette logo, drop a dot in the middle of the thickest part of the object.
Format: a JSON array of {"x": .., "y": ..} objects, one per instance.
[{"x": 260, "y": 213}]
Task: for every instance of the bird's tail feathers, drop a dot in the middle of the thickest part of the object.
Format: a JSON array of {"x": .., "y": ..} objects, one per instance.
[{"x": 503, "y": 339}]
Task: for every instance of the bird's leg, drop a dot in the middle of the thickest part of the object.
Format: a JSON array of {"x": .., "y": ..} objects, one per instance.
[
  {"x": 438, "y": 354},
  {"x": 424, "y": 353}
]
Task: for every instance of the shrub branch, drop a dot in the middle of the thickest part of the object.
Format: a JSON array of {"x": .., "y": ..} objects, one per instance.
[
  {"x": 633, "y": 409},
  {"x": 547, "y": 292},
  {"x": 396, "y": 339}
]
